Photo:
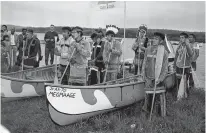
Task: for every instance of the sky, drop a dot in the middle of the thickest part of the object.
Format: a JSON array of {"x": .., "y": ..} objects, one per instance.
[{"x": 185, "y": 15}]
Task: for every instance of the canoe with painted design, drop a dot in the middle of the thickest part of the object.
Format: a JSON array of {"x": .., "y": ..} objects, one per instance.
[
  {"x": 27, "y": 83},
  {"x": 70, "y": 104}
]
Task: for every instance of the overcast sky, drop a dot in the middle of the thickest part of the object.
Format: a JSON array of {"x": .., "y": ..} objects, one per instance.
[{"x": 189, "y": 16}]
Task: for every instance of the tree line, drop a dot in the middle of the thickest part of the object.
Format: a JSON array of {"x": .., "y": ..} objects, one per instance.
[{"x": 130, "y": 32}]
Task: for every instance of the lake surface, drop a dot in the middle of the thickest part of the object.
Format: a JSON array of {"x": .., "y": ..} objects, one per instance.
[{"x": 128, "y": 53}]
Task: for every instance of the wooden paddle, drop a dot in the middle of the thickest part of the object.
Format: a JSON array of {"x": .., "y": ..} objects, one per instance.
[
  {"x": 158, "y": 68},
  {"x": 55, "y": 77},
  {"x": 67, "y": 66},
  {"x": 195, "y": 79},
  {"x": 181, "y": 91}
]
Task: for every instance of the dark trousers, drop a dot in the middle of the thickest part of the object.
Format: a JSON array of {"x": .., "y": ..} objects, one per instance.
[
  {"x": 47, "y": 53},
  {"x": 65, "y": 79},
  {"x": 94, "y": 78}
]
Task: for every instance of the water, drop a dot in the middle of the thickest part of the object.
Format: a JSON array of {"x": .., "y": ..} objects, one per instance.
[{"x": 128, "y": 53}]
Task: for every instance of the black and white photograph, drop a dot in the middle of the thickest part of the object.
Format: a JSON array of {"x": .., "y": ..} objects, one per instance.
[{"x": 102, "y": 66}]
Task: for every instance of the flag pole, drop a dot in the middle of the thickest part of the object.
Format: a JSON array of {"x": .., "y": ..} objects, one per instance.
[{"x": 124, "y": 35}]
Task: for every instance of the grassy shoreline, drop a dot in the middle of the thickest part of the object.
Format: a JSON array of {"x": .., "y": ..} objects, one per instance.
[{"x": 186, "y": 116}]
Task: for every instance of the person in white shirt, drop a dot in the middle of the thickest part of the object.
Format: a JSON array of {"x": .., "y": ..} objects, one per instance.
[{"x": 14, "y": 44}]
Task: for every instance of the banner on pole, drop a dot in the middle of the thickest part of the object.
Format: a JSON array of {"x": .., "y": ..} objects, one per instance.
[{"x": 105, "y": 5}]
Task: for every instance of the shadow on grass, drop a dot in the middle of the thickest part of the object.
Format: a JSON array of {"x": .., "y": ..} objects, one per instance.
[{"x": 186, "y": 116}]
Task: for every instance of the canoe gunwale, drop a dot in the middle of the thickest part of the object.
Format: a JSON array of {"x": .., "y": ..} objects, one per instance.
[
  {"x": 25, "y": 80},
  {"x": 93, "y": 87}
]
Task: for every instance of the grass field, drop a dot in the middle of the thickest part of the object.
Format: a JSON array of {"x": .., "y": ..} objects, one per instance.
[{"x": 186, "y": 116}]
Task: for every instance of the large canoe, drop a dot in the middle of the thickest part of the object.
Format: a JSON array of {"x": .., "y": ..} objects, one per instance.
[
  {"x": 70, "y": 104},
  {"x": 27, "y": 83}
]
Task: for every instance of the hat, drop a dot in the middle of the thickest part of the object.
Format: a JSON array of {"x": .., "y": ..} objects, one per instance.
[
  {"x": 66, "y": 28},
  {"x": 162, "y": 36},
  {"x": 77, "y": 28},
  {"x": 111, "y": 29},
  {"x": 143, "y": 27}
]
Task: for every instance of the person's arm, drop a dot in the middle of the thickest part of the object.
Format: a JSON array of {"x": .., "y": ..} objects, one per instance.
[
  {"x": 164, "y": 70},
  {"x": 195, "y": 52},
  {"x": 176, "y": 56},
  {"x": 84, "y": 50},
  {"x": 46, "y": 37},
  {"x": 105, "y": 52},
  {"x": 134, "y": 46},
  {"x": 117, "y": 51},
  {"x": 144, "y": 63},
  {"x": 189, "y": 49}
]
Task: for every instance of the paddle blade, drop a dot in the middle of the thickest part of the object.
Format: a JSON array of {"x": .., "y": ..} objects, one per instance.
[
  {"x": 195, "y": 79},
  {"x": 182, "y": 89}
]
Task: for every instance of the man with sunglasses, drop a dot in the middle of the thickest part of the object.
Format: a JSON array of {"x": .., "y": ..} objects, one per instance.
[
  {"x": 112, "y": 52},
  {"x": 155, "y": 55},
  {"x": 65, "y": 52},
  {"x": 139, "y": 47},
  {"x": 79, "y": 60}
]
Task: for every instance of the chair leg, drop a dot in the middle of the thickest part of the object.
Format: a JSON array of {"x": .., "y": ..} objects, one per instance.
[
  {"x": 162, "y": 104},
  {"x": 164, "y": 100}
]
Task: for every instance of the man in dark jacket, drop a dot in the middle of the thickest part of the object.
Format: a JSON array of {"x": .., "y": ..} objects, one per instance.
[
  {"x": 30, "y": 50},
  {"x": 97, "y": 68},
  {"x": 50, "y": 44}
]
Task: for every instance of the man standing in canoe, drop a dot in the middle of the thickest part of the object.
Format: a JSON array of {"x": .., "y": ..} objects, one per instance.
[
  {"x": 155, "y": 64},
  {"x": 50, "y": 44},
  {"x": 65, "y": 52},
  {"x": 22, "y": 39},
  {"x": 30, "y": 50},
  {"x": 139, "y": 47},
  {"x": 195, "y": 48},
  {"x": 111, "y": 53},
  {"x": 183, "y": 58},
  {"x": 97, "y": 59},
  {"x": 79, "y": 60}
]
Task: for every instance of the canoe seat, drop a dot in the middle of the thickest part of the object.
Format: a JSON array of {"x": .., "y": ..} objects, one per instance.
[{"x": 160, "y": 94}]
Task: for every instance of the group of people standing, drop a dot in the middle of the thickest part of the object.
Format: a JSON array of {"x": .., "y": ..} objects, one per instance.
[
  {"x": 151, "y": 59},
  {"x": 16, "y": 49},
  {"x": 75, "y": 51}
]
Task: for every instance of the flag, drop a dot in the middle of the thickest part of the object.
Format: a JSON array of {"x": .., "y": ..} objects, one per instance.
[
  {"x": 105, "y": 5},
  {"x": 170, "y": 48}
]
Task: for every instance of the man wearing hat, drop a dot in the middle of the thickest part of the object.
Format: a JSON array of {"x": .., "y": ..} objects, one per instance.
[
  {"x": 30, "y": 50},
  {"x": 112, "y": 52},
  {"x": 183, "y": 59},
  {"x": 22, "y": 39},
  {"x": 50, "y": 44},
  {"x": 155, "y": 60},
  {"x": 97, "y": 59},
  {"x": 79, "y": 61},
  {"x": 139, "y": 47},
  {"x": 65, "y": 52}
]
